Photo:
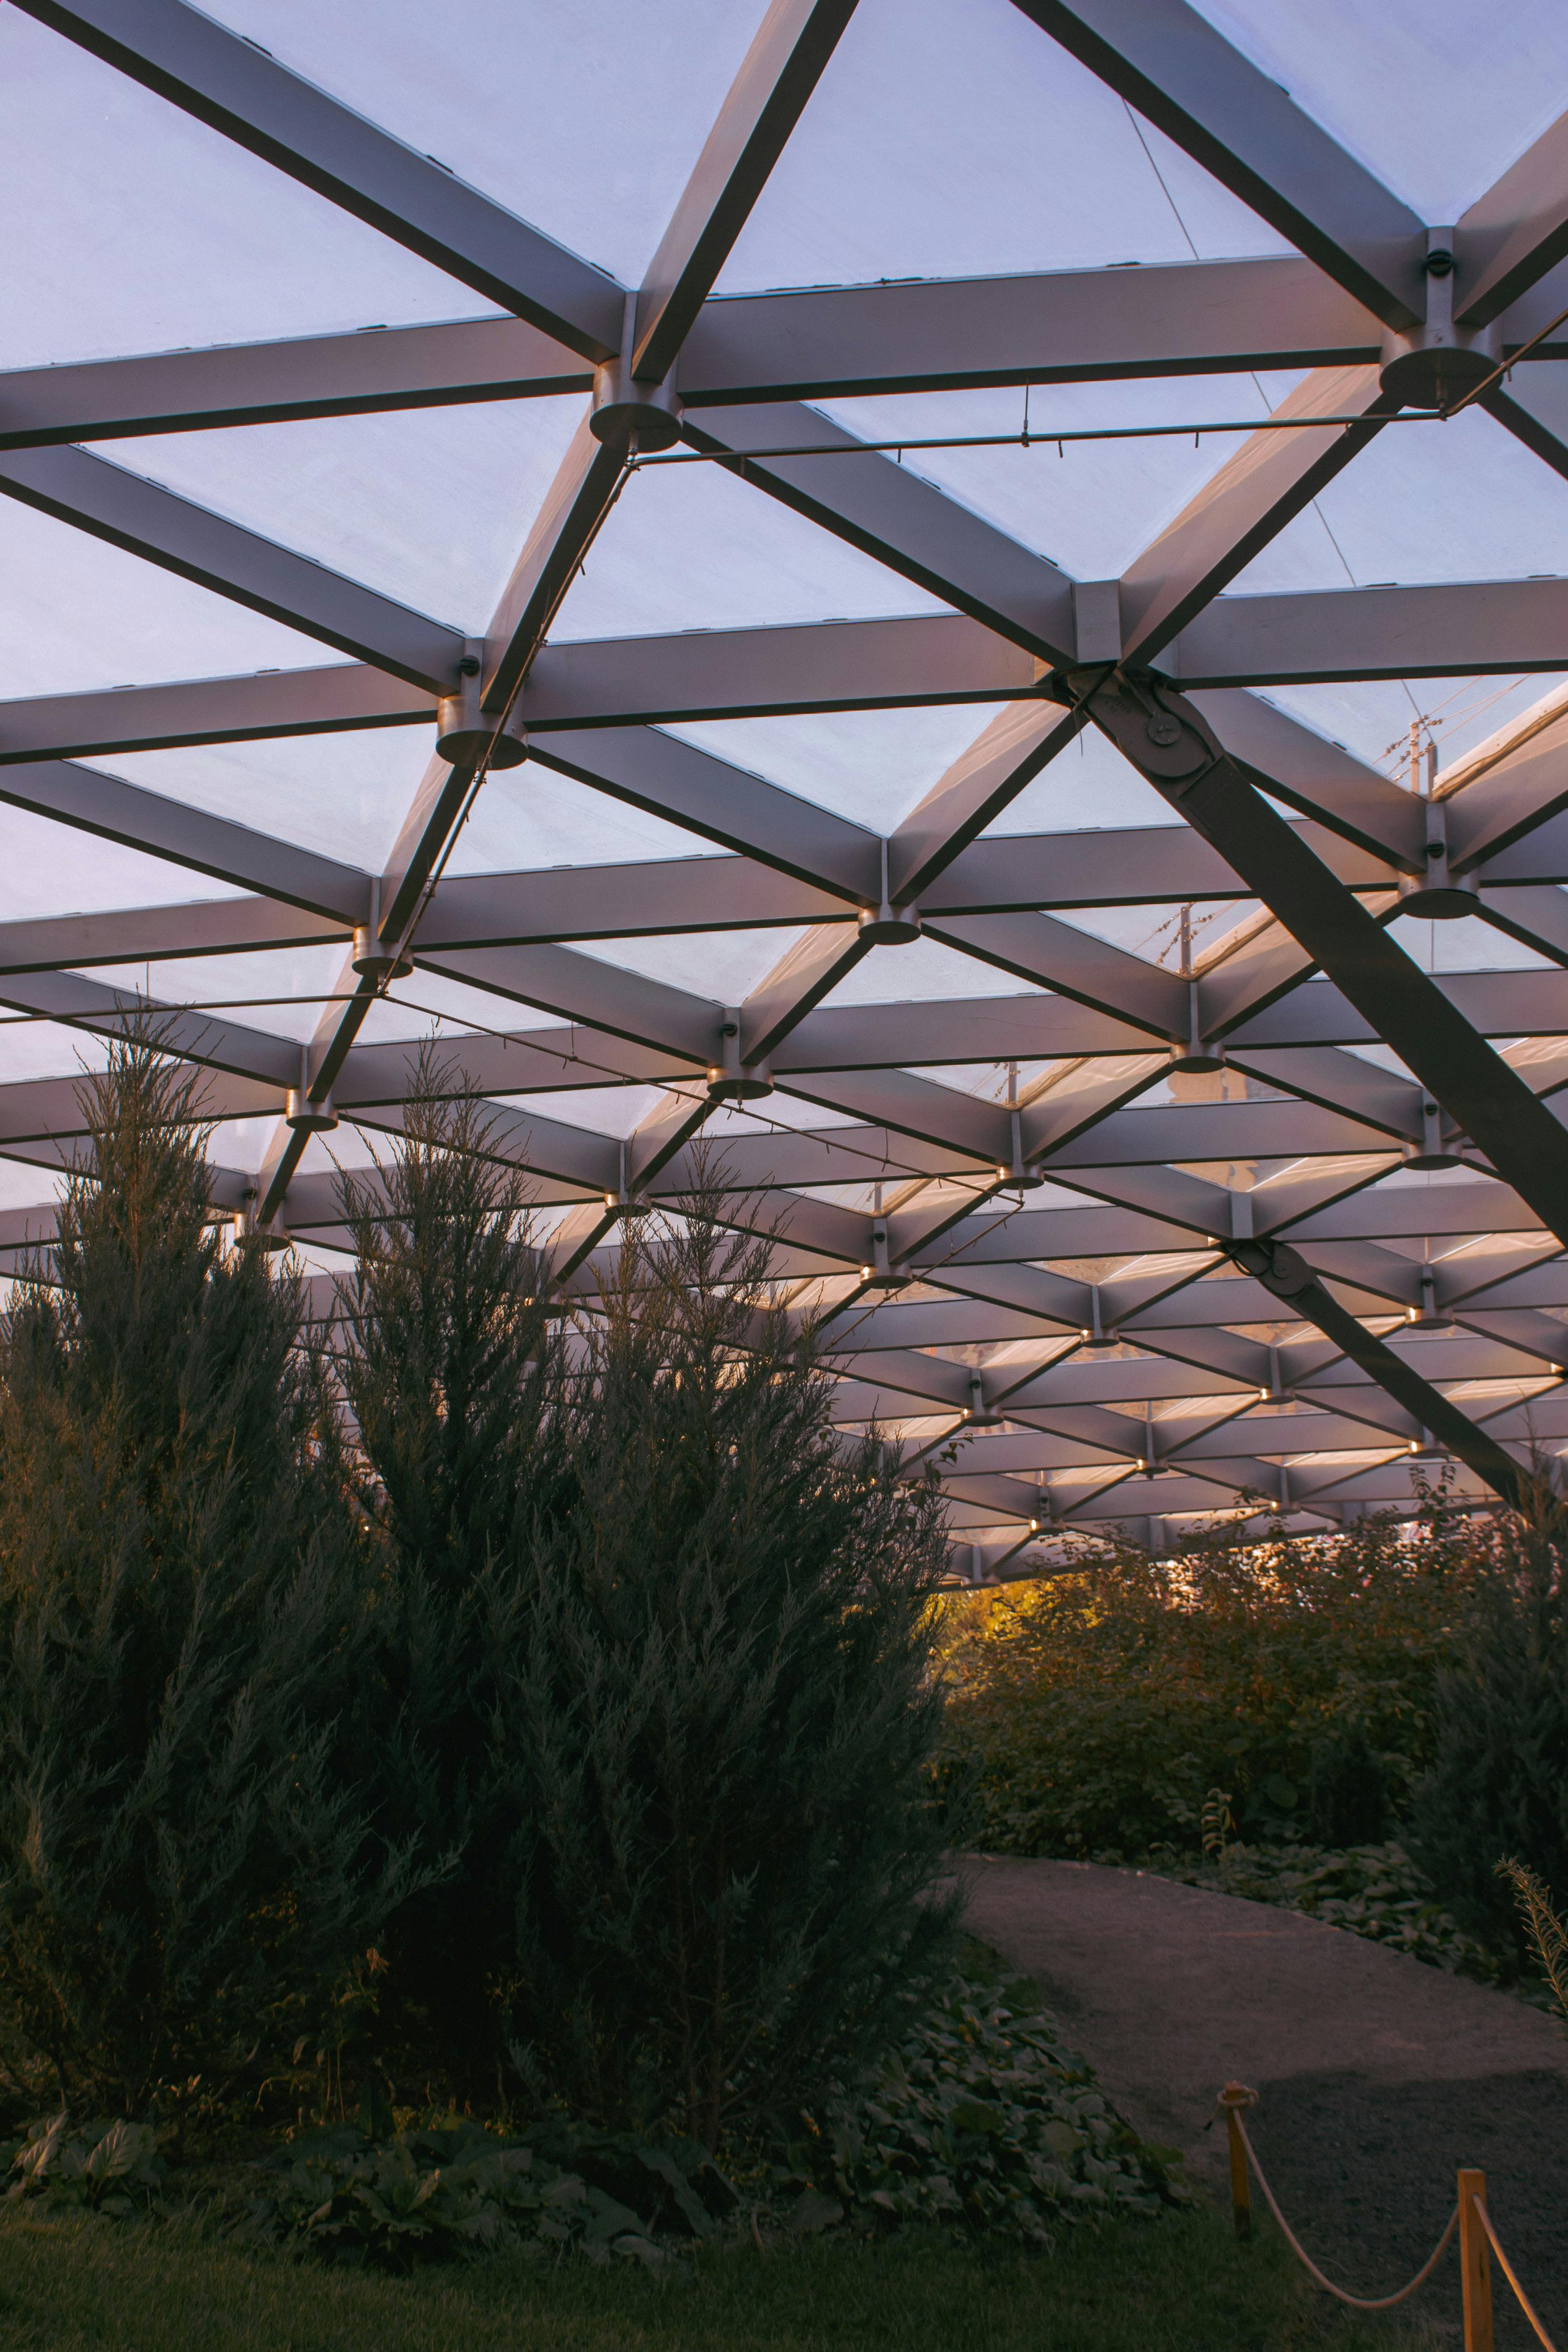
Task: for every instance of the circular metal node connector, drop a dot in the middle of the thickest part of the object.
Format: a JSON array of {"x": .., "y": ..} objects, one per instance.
[
  {"x": 1163, "y": 728},
  {"x": 374, "y": 961},
  {"x": 463, "y": 735},
  {"x": 458, "y": 745},
  {"x": 638, "y": 419},
  {"x": 307, "y": 1118},
  {"x": 889, "y": 927},
  {"x": 738, "y": 1085},
  {"x": 1448, "y": 903}
]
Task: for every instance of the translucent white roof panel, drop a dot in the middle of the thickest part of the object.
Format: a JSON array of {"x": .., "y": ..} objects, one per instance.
[
  {"x": 429, "y": 505},
  {"x": 345, "y": 795},
  {"x": 869, "y": 766},
  {"x": 688, "y": 547},
  {"x": 44, "y": 872},
  {"x": 429, "y": 1005},
  {"x": 75, "y": 614},
  {"x": 280, "y": 994},
  {"x": 1090, "y": 505},
  {"x": 33, "y": 1048},
  {"x": 531, "y": 817},
  {"x": 527, "y": 92},
  {"x": 1463, "y": 500},
  {"x": 133, "y": 229},
  {"x": 1373, "y": 719},
  {"x": 1431, "y": 98},
  {"x": 922, "y": 154}
]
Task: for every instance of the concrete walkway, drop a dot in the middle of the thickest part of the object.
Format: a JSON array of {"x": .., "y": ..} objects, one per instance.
[{"x": 1379, "y": 2075}]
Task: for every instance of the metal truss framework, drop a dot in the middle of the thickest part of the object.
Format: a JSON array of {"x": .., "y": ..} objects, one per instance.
[{"x": 1216, "y": 1298}]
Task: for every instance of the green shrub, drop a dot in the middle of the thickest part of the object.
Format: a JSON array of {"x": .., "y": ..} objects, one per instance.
[
  {"x": 111, "y": 2167},
  {"x": 720, "y": 1727},
  {"x": 1499, "y": 1780},
  {"x": 182, "y": 1870},
  {"x": 459, "y": 2190},
  {"x": 981, "y": 2123},
  {"x": 1094, "y": 1711}
]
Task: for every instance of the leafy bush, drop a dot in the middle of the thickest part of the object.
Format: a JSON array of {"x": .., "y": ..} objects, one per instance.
[
  {"x": 108, "y": 2167},
  {"x": 1376, "y": 1891},
  {"x": 720, "y": 1729},
  {"x": 1499, "y": 1780},
  {"x": 1091, "y": 1713},
  {"x": 181, "y": 1868},
  {"x": 979, "y": 2122},
  {"x": 460, "y": 2191}
]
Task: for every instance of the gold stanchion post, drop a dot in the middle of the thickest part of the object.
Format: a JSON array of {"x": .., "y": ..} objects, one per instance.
[
  {"x": 1475, "y": 2263},
  {"x": 1233, "y": 2098}
]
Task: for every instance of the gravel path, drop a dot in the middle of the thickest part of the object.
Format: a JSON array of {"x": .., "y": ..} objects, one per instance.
[{"x": 1378, "y": 2076}]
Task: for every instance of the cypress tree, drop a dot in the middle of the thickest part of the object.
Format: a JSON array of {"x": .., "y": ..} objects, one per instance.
[
  {"x": 721, "y": 1724},
  {"x": 181, "y": 1875},
  {"x": 1498, "y": 1781},
  {"x": 454, "y": 1381}
]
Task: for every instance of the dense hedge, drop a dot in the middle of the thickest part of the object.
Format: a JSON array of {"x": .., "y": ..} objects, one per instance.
[{"x": 1093, "y": 1714}]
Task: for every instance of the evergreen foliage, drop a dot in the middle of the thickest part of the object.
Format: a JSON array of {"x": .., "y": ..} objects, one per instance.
[
  {"x": 457, "y": 1392},
  {"x": 181, "y": 1871},
  {"x": 1498, "y": 1781},
  {"x": 721, "y": 1724}
]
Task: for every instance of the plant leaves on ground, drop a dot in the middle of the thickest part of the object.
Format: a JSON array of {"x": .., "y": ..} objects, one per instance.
[
  {"x": 980, "y": 2123},
  {"x": 460, "y": 2190}
]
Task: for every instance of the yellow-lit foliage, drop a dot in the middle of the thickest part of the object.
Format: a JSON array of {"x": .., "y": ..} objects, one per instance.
[{"x": 1094, "y": 1711}]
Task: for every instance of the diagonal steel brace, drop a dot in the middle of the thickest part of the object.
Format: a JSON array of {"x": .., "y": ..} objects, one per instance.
[{"x": 1159, "y": 732}]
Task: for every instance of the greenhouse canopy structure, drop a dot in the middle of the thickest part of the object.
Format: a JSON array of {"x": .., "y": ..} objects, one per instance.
[{"x": 953, "y": 609}]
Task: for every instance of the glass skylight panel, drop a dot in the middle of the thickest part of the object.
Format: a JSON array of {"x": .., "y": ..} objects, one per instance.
[
  {"x": 428, "y": 506},
  {"x": 292, "y": 981},
  {"x": 869, "y": 766},
  {"x": 45, "y": 873},
  {"x": 430, "y": 1004},
  {"x": 528, "y": 817},
  {"x": 689, "y": 547},
  {"x": 1468, "y": 945},
  {"x": 948, "y": 139},
  {"x": 1464, "y": 501},
  {"x": 133, "y": 228},
  {"x": 32, "y": 1048},
  {"x": 1435, "y": 100},
  {"x": 77, "y": 614},
  {"x": 1094, "y": 508},
  {"x": 1373, "y": 718},
  {"x": 586, "y": 125},
  {"x": 722, "y": 966},
  {"x": 345, "y": 795},
  {"x": 922, "y": 971}
]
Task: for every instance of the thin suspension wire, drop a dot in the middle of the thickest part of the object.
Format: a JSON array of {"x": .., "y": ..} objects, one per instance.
[{"x": 1032, "y": 437}]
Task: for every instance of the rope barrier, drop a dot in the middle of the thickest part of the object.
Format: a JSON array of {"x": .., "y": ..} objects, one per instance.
[
  {"x": 1524, "y": 2302},
  {"x": 1231, "y": 2103}
]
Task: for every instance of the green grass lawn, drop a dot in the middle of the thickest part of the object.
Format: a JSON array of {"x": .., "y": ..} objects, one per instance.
[{"x": 1178, "y": 2284}]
